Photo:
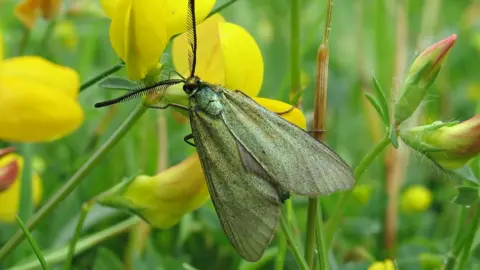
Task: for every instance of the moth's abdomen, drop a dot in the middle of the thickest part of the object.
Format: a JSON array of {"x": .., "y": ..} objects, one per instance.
[{"x": 208, "y": 101}]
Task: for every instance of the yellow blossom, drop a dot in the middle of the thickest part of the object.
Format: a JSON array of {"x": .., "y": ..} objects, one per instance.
[
  {"x": 28, "y": 10},
  {"x": 227, "y": 55},
  {"x": 382, "y": 265},
  {"x": 141, "y": 29},
  {"x": 38, "y": 100},
  {"x": 416, "y": 198},
  {"x": 9, "y": 198}
]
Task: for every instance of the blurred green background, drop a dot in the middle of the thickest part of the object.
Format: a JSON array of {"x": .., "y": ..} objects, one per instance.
[{"x": 377, "y": 37}]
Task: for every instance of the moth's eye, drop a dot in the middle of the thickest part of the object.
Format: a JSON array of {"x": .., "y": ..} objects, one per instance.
[{"x": 188, "y": 88}]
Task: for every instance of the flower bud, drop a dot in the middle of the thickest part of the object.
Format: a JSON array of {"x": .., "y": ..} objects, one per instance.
[
  {"x": 9, "y": 171},
  {"x": 450, "y": 145},
  {"x": 163, "y": 199},
  {"x": 416, "y": 199},
  {"x": 421, "y": 75},
  {"x": 382, "y": 265}
]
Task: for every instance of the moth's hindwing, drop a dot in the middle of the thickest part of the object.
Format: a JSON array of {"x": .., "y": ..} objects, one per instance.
[
  {"x": 291, "y": 157},
  {"x": 247, "y": 205}
]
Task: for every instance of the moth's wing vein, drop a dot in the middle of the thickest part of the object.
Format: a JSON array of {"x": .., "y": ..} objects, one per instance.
[
  {"x": 295, "y": 160},
  {"x": 247, "y": 205}
]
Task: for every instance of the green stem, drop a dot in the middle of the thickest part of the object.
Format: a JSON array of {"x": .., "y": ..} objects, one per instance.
[
  {"x": 86, "y": 243},
  {"x": 101, "y": 76},
  {"x": 78, "y": 230},
  {"x": 33, "y": 244},
  {"x": 291, "y": 241},
  {"x": 295, "y": 72},
  {"x": 470, "y": 237},
  {"x": 24, "y": 41},
  {"x": 334, "y": 221},
  {"x": 26, "y": 200},
  {"x": 310, "y": 236},
  {"x": 458, "y": 240},
  {"x": 48, "y": 33},
  {"x": 322, "y": 252},
  {"x": 74, "y": 181},
  {"x": 220, "y": 8}
]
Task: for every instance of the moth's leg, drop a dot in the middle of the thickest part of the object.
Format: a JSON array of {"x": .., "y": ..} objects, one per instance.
[
  {"x": 168, "y": 105},
  {"x": 287, "y": 111},
  {"x": 187, "y": 138},
  {"x": 242, "y": 93},
  {"x": 283, "y": 195}
]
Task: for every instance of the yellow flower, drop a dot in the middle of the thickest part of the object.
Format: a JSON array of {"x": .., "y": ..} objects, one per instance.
[
  {"x": 141, "y": 29},
  {"x": 163, "y": 199},
  {"x": 38, "y": 100},
  {"x": 416, "y": 198},
  {"x": 11, "y": 165},
  {"x": 28, "y": 10},
  {"x": 227, "y": 55},
  {"x": 382, "y": 265}
]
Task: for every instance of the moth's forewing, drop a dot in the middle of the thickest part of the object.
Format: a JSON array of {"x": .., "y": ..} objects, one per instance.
[
  {"x": 289, "y": 156},
  {"x": 247, "y": 205}
]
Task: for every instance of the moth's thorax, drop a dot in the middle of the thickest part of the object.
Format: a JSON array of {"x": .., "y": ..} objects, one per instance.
[{"x": 208, "y": 100}]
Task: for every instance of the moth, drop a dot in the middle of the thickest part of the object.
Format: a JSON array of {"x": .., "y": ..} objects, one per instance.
[{"x": 252, "y": 158}]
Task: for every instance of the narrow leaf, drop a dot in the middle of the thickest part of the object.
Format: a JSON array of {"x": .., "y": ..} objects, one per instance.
[
  {"x": 33, "y": 244},
  {"x": 465, "y": 173},
  {"x": 382, "y": 99},
  {"x": 377, "y": 107},
  {"x": 115, "y": 82},
  {"x": 466, "y": 195}
]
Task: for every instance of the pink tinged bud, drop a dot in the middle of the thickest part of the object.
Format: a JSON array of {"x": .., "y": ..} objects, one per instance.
[
  {"x": 421, "y": 76},
  {"x": 9, "y": 172},
  {"x": 450, "y": 145}
]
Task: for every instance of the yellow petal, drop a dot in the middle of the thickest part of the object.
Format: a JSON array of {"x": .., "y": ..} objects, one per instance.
[
  {"x": 43, "y": 72},
  {"x": 138, "y": 34},
  {"x": 38, "y": 100},
  {"x": 110, "y": 7},
  {"x": 176, "y": 12},
  {"x": 26, "y": 12},
  {"x": 295, "y": 116},
  {"x": 210, "y": 64},
  {"x": 243, "y": 59},
  {"x": 9, "y": 199}
]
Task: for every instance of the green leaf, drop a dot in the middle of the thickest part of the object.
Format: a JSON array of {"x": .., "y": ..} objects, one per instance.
[
  {"x": 466, "y": 195},
  {"x": 378, "y": 108},
  {"x": 107, "y": 260},
  {"x": 382, "y": 99},
  {"x": 465, "y": 173},
  {"x": 115, "y": 82},
  {"x": 33, "y": 244}
]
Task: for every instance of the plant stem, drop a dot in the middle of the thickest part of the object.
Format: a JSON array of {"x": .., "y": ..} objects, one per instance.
[
  {"x": 33, "y": 244},
  {"x": 311, "y": 227},
  {"x": 26, "y": 200},
  {"x": 458, "y": 240},
  {"x": 296, "y": 252},
  {"x": 74, "y": 181},
  {"x": 47, "y": 35},
  {"x": 86, "y": 243},
  {"x": 295, "y": 72},
  {"x": 78, "y": 230},
  {"x": 322, "y": 252},
  {"x": 470, "y": 237},
  {"x": 333, "y": 223},
  {"x": 220, "y": 8},
  {"x": 24, "y": 41},
  {"x": 101, "y": 76}
]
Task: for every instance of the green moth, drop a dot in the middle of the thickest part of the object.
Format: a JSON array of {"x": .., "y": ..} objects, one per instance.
[{"x": 251, "y": 157}]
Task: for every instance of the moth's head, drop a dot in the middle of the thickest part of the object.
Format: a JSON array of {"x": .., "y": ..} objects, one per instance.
[{"x": 191, "y": 84}]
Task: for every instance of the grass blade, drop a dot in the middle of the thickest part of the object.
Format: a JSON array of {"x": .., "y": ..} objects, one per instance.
[
  {"x": 382, "y": 99},
  {"x": 33, "y": 244}
]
